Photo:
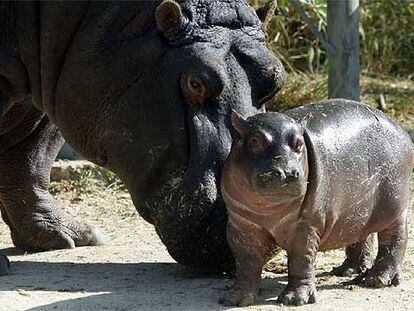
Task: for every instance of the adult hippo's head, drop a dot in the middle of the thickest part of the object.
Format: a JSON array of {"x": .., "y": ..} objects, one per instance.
[{"x": 147, "y": 89}]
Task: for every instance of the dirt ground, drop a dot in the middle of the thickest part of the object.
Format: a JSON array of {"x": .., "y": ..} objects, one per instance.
[{"x": 133, "y": 271}]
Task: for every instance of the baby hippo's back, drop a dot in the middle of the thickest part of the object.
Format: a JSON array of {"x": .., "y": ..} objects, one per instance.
[{"x": 360, "y": 162}]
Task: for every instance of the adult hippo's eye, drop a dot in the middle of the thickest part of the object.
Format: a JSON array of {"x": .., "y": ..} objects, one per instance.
[
  {"x": 198, "y": 88},
  {"x": 194, "y": 89},
  {"x": 297, "y": 143},
  {"x": 195, "y": 85}
]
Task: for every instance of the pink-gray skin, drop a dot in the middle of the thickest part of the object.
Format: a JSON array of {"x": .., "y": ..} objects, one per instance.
[{"x": 320, "y": 177}]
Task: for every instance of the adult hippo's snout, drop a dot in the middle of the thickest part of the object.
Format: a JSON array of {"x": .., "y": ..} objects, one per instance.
[
  {"x": 210, "y": 145},
  {"x": 192, "y": 215},
  {"x": 265, "y": 71}
]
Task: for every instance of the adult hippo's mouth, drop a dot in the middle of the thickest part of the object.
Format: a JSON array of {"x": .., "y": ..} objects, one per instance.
[{"x": 188, "y": 210}]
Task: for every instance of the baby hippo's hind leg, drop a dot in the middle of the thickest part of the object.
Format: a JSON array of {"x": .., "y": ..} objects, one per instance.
[
  {"x": 358, "y": 258},
  {"x": 388, "y": 264}
]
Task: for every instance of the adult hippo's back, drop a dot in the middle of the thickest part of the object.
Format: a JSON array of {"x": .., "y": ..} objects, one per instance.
[{"x": 143, "y": 88}]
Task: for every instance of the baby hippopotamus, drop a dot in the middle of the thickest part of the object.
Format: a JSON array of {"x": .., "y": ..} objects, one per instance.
[{"x": 319, "y": 177}]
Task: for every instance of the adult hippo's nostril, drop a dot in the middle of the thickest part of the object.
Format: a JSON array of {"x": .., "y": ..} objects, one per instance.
[
  {"x": 265, "y": 72},
  {"x": 272, "y": 81},
  {"x": 271, "y": 71}
]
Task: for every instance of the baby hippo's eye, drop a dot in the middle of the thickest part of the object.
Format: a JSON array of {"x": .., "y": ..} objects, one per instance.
[
  {"x": 259, "y": 142},
  {"x": 297, "y": 143},
  {"x": 255, "y": 145}
]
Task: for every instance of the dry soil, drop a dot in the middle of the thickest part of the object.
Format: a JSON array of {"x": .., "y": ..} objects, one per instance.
[{"x": 133, "y": 271}]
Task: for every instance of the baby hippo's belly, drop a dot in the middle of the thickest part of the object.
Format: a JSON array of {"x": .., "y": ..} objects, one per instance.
[{"x": 355, "y": 220}]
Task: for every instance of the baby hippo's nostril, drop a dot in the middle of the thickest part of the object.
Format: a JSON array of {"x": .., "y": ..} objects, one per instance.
[
  {"x": 281, "y": 173},
  {"x": 293, "y": 174}
]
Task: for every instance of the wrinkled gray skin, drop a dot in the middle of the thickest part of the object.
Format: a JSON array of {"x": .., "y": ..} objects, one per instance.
[
  {"x": 320, "y": 177},
  {"x": 113, "y": 80}
]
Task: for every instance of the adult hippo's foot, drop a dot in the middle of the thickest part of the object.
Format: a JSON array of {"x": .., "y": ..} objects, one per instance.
[
  {"x": 50, "y": 230},
  {"x": 4, "y": 265},
  {"x": 35, "y": 219},
  {"x": 358, "y": 258}
]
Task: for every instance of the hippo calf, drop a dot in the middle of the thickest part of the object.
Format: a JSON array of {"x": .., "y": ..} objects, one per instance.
[{"x": 319, "y": 177}]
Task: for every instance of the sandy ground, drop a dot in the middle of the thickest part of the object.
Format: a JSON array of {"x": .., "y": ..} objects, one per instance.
[{"x": 133, "y": 271}]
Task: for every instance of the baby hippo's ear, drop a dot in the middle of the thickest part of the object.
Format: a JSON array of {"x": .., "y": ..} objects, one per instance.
[{"x": 239, "y": 123}]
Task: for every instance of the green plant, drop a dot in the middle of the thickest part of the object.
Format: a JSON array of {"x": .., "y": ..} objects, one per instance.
[{"x": 386, "y": 33}]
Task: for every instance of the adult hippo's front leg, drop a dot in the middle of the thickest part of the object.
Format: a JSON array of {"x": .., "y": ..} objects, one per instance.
[{"x": 26, "y": 158}]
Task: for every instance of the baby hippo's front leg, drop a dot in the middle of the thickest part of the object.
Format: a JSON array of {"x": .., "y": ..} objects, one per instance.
[
  {"x": 249, "y": 244},
  {"x": 302, "y": 250}
]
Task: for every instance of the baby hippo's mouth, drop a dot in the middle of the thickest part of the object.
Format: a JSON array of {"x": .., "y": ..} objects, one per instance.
[{"x": 276, "y": 190}]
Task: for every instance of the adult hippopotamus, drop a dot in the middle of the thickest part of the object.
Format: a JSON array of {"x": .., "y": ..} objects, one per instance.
[
  {"x": 144, "y": 88},
  {"x": 319, "y": 177}
]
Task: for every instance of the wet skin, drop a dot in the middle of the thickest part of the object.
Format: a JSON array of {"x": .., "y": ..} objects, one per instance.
[{"x": 336, "y": 173}]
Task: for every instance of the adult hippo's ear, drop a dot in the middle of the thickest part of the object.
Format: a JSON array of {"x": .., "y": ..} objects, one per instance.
[
  {"x": 169, "y": 16},
  {"x": 239, "y": 123},
  {"x": 266, "y": 11}
]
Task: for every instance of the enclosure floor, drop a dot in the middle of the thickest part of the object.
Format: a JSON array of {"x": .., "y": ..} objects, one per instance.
[{"x": 133, "y": 271}]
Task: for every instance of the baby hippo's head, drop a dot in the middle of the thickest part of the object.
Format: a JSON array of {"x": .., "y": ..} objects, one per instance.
[{"x": 270, "y": 152}]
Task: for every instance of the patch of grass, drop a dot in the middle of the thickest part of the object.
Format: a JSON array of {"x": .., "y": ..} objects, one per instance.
[
  {"x": 386, "y": 36},
  {"x": 77, "y": 188},
  {"x": 85, "y": 182},
  {"x": 301, "y": 89}
]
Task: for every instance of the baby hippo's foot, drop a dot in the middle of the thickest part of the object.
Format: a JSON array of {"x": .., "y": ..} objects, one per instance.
[
  {"x": 4, "y": 265},
  {"x": 349, "y": 268},
  {"x": 238, "y": 296},
  {"x": 358, "y": 258},
  {"x": 392, "y": 244},
  {"x": 298, "y": 295},
  {"x": 383, "y": 278}
]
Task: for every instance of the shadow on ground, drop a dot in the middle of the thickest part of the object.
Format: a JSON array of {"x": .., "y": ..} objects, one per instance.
[
  {"x": 126, "y": 286},
  {"x": 114, "y": 286}
]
